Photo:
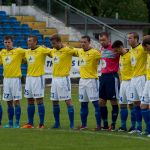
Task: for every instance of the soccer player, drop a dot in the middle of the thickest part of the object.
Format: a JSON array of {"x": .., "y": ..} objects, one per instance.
[
  {"x": 12, "y": 90},
  {"x": 109, "y": 81},
  {"x": 126, "y": 75},
  {"x": 145, "y": 103},
  {"x": 88, "y": 84},
  {"x": 138, "y": 62},
  {"x": 34, "y": 87},
  {"x": 61, "y": 85}
]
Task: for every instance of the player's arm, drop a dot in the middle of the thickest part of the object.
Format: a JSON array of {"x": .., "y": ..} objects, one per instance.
[
  {"x": 97, "y": 54},
  {"x": 74, "y": 52}
]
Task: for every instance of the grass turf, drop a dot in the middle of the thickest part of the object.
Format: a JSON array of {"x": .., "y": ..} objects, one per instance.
[{"x": 64, "y": 138}]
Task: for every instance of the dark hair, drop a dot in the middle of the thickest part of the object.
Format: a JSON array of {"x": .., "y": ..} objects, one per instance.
[
  {"x": 136, "y": 36},
  {"x": 7, "y": 37},
  {"x": 117, "y": 44},
  {"x": 56, "y": 37},
  {"x": 35, "y": 38},
  {"x": 146, "y": 41},
  {"x": 104, "y": 34},
  {"x": 86, "y": 37}
]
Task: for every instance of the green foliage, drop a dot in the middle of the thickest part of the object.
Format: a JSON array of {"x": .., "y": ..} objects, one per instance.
[{"x": 135, "y": 10}]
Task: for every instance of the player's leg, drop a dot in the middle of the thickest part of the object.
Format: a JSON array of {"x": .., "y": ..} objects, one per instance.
[
  {"x": 17, "y": 96},
  {"x": 113, "y": 96},
  {"x": 66, "y": 93},
  {"x": 56, "y": 113},
  {"x": 31, "y": 106},
  {"x": 103, "y": 100},
  {"x": 10, "y": 111},
  {"x": 123, "y": 105},
  {"x": 133, "y": 117},
  {"x": 92, "y": 88},
  {"x": 41, "y": 111},
  {"x": 145, "y": 107},
  {"x": 139, "y": 84},
  {"x": 55, "y": 103},
  {"x": 17, "y": 113},
  {"x": 38, "y": 86},
  {"x": 1, "y": 113},
  {"x": 7, "y": 96},
  {"x": 83, "y": 99},
  {"x": 70, "y": 110}
]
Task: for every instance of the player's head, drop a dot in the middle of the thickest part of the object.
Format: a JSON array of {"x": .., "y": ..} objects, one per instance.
[
  {"x": 104, "y": 39},
  {"x": 56, "y": 41},
  {"x": 32, "y": 41},
  {"x": 8, "y": 42},
  {"x": 146, "y": 44},
  {"x": 85, "y": 42},
  {"x": 118, "y": 47},
  {"x": 133, "y": 39}
]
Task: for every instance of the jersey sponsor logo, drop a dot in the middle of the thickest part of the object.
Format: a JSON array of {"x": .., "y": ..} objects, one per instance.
[
  {"x": 8, "y": 59},
  {"x": 31, "y": 59},
  {"x": 120, "y": 66},
  {"x": 108, "y": 54}
]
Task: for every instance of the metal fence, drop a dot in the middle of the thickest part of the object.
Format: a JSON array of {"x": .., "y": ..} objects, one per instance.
[{"x": 71, "y": 17}]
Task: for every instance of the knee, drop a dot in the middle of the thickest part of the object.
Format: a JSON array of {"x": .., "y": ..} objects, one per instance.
[
  {"x": 30, "y": 101},
  {"x": 102, "y": 102},
  {"x": 69, "y": 102}
]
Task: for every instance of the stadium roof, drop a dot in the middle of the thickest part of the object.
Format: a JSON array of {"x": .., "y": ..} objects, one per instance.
[{"x": 79, "y": 21}]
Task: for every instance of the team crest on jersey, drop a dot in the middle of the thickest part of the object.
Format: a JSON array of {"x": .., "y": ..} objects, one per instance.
[
  {"x": 103, "y": 63},
  {"x": 133, "y": 61},
  {"x": 56, "y": 60},
  {"x": 82, "y": 62},
  {"x": 8, "y": 59},
  {"x": 31, "y": 59},
  {"x": 120, "y": 66}
]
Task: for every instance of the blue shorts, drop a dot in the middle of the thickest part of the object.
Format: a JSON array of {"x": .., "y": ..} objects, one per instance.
[{"x": 109, "y": 86}]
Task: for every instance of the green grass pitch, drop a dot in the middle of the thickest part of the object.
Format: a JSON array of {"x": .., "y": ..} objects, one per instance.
[{"x": 64, "y": 138}]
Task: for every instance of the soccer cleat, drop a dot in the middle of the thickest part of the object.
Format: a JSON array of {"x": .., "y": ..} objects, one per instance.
[
  {"x": 148, "y": 135},
  {"x": 98, "y": 128},
  {"x": 105, "y": 128},
  {"x": 145, "y": 133},
  {"x": 139, "y": 132},
  {"x": 112, "y": 128},
  {"x": 40, "y": 126},
  {"x": 56, "y": 126},
  {"x": 71, "y": 126},
  {"x": 121, "y": 129},
  {"x": 16, "y": 126},
  {"x": 27, "y": 126},
  {"x": 131, "y": 130},
  {"x": 82, "y": 127},
  {"x": 7, "y": 126}
]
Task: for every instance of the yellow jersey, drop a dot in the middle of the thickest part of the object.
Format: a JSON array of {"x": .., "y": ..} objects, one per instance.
[
  {"x": 62, "y": 61},
  {"x": 88, "y": 61},
  {"x": 138, "y": 60},
  {"x": 11, "y": 60},
  {"x": 148, "y": 66},
  {"x": 36, "y": 60},
  {"x": 125, "y": 66}
]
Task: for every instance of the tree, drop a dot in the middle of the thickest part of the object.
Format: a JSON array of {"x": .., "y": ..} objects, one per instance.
[{"x": 135, "y": 10}]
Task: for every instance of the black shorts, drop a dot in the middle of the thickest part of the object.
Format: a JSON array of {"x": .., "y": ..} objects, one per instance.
[{"x": 109, "y": 86}]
